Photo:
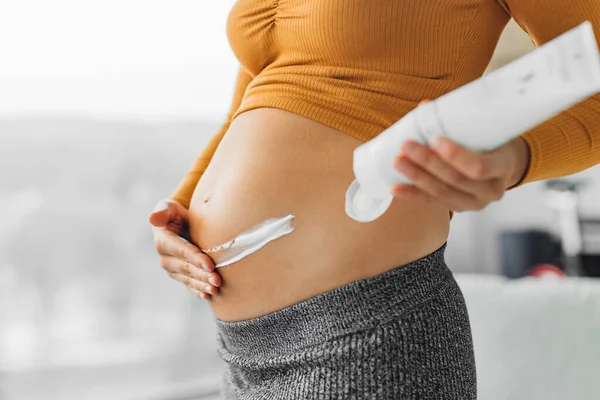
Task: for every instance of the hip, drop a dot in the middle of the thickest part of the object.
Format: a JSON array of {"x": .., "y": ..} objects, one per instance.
[{"x": 401, "y": 334}]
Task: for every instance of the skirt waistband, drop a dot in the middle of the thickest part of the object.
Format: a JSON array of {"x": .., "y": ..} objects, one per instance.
[{"x": 350, "y": 308}]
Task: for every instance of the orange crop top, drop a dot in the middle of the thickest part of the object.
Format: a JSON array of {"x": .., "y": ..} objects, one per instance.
[{"x": 359, "y": 66}]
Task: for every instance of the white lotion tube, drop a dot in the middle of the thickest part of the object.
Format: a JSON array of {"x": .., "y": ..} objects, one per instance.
[{"x": 481, "y": 115}]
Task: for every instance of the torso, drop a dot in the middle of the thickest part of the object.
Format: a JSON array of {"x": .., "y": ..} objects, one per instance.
[
  {"x": 272, "y": 163},
  {"x": 354, "y": 69}
]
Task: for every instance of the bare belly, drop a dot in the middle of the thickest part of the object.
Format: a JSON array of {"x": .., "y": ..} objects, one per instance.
[{"x": 272, "y": 163}]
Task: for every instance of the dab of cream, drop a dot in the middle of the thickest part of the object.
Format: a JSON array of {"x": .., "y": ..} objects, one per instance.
[{"x": 250, "y": 241}]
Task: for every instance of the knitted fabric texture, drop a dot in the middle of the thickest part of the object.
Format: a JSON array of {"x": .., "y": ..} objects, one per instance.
[{"x": 403, "y": 334}]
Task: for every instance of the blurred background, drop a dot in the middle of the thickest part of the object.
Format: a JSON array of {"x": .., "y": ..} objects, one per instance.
[{"x": 103, "y": 107}]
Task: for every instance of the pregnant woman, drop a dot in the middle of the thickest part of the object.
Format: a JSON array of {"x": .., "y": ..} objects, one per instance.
[{"x": 327, "y": 307}]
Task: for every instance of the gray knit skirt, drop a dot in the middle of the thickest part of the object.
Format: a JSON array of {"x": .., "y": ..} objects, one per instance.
[{"x": 403, "y": 334}]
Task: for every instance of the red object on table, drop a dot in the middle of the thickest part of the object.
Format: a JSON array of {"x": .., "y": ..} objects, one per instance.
[{"x": 541, "y": 270}]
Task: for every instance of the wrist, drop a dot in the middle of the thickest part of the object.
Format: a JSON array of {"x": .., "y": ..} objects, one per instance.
[{"x": 519, "y": 153}]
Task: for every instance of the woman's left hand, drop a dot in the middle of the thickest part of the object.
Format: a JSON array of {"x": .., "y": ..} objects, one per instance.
[{"x": 457, "y": 177}]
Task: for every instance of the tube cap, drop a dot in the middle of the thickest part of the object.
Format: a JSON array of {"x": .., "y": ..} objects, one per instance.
[{"x": 363, "y": 208}]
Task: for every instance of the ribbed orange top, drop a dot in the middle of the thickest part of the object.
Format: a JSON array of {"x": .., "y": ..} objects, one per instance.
[{"x": 359, "y": 66}]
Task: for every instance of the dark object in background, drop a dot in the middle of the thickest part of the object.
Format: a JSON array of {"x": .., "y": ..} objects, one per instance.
[
  {"x": 590, "y": 257},
  {"x": 590, "y": 264},
  {"x": 521, "y": 250},
  {"x": 576, "y": 250}
]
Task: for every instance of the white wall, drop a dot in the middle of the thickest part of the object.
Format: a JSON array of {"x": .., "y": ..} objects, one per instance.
[{"x": 143, "y": 59}]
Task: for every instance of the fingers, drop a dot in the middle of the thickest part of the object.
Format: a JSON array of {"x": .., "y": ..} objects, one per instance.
[
  {"x": 183, "y": 261},
  {"x": 191, "y": 276},
  {"x": 442, "y": 182},
  {"x": 199, "y": 294},
  {"x": 165, "y": 211},
  {"x": 455, "y": 199},
  {"x": 431, "y": 164},
  {"x": 451, "y": 174},
  {"x": 401, "y": 190},
  {"x": 194, "y": 284},
  {"x": 472, "y": 164},
  {"x": 170, "y": 244}
]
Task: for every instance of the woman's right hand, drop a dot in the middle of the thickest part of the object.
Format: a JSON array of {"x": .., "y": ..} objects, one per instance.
[{"x": 183, "y": 261}]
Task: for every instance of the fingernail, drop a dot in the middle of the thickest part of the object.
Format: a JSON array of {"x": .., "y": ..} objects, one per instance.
[
  {"x": 401, "y": 162},
  {"x": 208, "y": 288},
  {"x": 212, "y": 281},
  {"x": 401, "y": 190},
  {"x": 409, "y": 148},
  {"x": 438, "y": 143}
]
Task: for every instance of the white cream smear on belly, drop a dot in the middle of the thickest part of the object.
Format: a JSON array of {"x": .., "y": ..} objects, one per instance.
[{"x": 250, "y": 241}]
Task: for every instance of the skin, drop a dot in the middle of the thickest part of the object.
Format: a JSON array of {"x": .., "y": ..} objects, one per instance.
[
  {"x": 461, "y": 179},
  {"x": 448, "y": 176},
  {"x": 183, "y": 261}
]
